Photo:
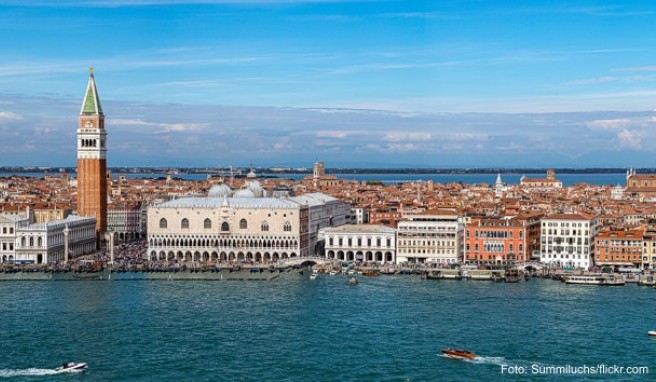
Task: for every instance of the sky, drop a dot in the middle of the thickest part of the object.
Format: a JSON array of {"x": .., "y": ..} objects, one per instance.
[{"x": 389, "y": 83}]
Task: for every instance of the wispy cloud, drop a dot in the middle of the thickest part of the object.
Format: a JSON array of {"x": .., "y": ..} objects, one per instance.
[
  {"x": 396, "y": 136},
  {"x": 160, "y": 128},
  {"x": 8, "y": 116},
  {"x": 637, "y": 69},
  {"x": 131, "y": 3},
  {"x": 609, "y": 79}
]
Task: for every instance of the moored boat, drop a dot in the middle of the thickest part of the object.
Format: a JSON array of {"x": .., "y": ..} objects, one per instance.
[
  {"x": 458, "y": 354},
  {"x": 605, "y": 279}
]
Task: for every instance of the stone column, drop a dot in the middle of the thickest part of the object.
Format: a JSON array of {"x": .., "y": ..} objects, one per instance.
[
  {"x": 111, "y": 247},
  {"x": 66, "y": 232}
]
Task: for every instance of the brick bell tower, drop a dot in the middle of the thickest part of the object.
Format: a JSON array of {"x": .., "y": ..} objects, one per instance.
[{"x": 92, "y": 159}]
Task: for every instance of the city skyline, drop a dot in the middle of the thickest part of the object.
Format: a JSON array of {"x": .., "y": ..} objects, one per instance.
[{"x": 373, "y": 83}]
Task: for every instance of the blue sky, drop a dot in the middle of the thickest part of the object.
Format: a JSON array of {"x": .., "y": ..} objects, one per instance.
[{"x": 459, "y": 83}]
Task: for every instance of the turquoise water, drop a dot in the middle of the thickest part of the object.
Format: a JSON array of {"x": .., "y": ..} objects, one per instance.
[{"x": 388, "y": 328}]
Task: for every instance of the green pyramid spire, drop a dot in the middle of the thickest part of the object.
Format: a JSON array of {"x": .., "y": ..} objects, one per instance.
[{"x": 91, "y": 104}]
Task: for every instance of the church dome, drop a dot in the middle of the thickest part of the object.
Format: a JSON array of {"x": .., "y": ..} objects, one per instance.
[
  {"x": 255, "y": 187},
  {"x": 244, "y": 193},
  {"x": 220, "y": 191}
]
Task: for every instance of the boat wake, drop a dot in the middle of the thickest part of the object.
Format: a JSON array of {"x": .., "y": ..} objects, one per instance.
[
  {"x": 480, "y": 359},
  {"x": 32, "y": 372},
  {"x": 489, "y": 360}
]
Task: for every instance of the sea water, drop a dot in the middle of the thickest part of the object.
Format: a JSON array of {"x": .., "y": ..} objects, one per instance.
[{"x": 387, "y": 328}]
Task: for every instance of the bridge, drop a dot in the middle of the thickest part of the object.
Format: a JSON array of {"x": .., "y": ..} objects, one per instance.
[
  {"x": 303, "y": 260},
  {"x": 530, "y": 266}
]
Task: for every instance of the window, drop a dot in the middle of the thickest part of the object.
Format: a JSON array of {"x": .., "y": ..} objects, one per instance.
[
  {"x": 225, "y": 226},
  {"x": 11, "y": 229},
  {"x": 184, "y": 224},
  {"x": 162, "y": 223},
  {"x": 288, "y": 227},
  {"x": 265, "y": 227},
  {"x": 207, "y": 224},
  {"x": 243, "y": 224}
]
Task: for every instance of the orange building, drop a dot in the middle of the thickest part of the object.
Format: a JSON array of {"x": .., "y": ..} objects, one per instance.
[
  {"x": 619, "y": 248},
  {"x": 92, "y": 159},
  {"x": 496, "y": 240}
]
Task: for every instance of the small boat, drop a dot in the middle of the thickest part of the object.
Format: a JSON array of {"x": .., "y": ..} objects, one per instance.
[
  {"x": 455, "y": 353},
  {"x": 353, "y": 281},
  {"x": 313, "y": 276},
  {"x": 651, "y": 333},
  {"x": 70, "y": 366}
]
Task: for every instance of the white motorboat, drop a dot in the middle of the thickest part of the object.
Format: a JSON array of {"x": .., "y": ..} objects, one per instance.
[
  {"x": 70, "y": 366},
  {"x": 651, "y": 333},
  {"x": 313, "y": 276}
]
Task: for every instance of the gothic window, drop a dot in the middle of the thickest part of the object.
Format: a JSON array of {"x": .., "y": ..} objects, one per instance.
[
  {"x": 265, "y": 227},
  {"x": 184, "y": 224},
  {"x": 225, "y": 226},
  {"x": 288, "y": 227},
  {"x": 31, "y": 241},
  {"x": 162, "y": 223},
  {"x": 243, "y": 224},
  {"x": 207, "y": 224}
]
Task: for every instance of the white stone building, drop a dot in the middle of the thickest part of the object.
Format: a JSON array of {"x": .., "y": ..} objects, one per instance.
[
  {"x": 8, "y": 227},
  {"x": 567, "y": 240},
  {"x": 43, "y": 243},
  {"x": 362, "y": 242},
  {"x": 323, "y": 211},
  {"x": 434, "y": 236},
  {"x": 359, "y": 215},
  {"x": 240, "y": 228},
  {"x": 126, "y": 222}
]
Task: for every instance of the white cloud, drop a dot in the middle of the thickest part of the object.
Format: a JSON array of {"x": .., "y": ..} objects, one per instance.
[
  {"x": 160, "y": 127},
  {"x": 332, "y": 134},
  {"x": 608, "y": 79},
  {"x": 396, "y": 136},
  {"x": 630, "y": 139},
  {"x": 609, "y": 124},
  {"x": 404, "y": 147},
  {"x": 181, "y": 127},
  {"x": 8, "y": 116}
]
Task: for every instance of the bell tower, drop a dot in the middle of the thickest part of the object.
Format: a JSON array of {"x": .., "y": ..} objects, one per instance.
[{"x": 92, "y": 158}]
